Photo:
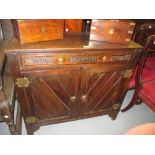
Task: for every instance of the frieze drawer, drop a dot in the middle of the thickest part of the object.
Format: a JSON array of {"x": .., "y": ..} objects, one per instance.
[{"x": 45, "y": 60}]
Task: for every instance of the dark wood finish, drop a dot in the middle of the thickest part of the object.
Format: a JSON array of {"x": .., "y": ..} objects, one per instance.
[
  {"x": 143, "y": 32},
  {"x": 73, "y": 25},
  {"x": 139, "y": 22},
  {"x": 70, "y": 79},
  {"x": 86, "y": 25},
  {"x": 28, "y": 31},
  {"x": 116, "y": 31}
]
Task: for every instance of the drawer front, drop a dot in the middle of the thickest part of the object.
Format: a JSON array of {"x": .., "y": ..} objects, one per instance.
[{"x": 47, "y": 59}]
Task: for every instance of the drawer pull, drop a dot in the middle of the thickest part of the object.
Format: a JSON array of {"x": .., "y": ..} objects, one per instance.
[
  {"x": 73, "y": 98},
  {"x": 116, "y": 106},
  {"x": 83, "y": 98},
  {"x": 111, "y": 31}
]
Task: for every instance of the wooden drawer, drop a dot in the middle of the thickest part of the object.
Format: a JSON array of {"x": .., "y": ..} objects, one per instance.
[{"x": 98, "y": 57}]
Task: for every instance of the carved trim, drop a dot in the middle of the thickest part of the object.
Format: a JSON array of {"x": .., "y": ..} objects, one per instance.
[
  {"x": 44, "y": 60},
  {"x": 22, "y": 82},
  {"x": 31, "y": 120},
  {"x": 127, "y": 73}
]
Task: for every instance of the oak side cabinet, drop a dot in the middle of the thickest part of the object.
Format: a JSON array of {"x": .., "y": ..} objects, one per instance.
[{"x": 70, "y": 79}]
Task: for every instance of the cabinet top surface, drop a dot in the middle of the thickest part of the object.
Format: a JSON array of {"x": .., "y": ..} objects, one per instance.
[{"x": 70, "y": 42}]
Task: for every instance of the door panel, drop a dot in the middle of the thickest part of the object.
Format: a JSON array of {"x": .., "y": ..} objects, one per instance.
[
  {"x": 99, "y": 90},
  {"x": 50, "y": 93}
]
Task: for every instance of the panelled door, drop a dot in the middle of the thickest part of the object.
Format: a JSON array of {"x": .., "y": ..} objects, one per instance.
[
  {"x": 52, "y": 94},
  {"x": 99, "y": 89}
]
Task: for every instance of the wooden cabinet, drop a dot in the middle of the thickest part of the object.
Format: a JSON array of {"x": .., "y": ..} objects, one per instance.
[{"x": 70, "y": 79}]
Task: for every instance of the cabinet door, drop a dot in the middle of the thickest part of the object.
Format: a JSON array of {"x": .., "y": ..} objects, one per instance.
[
  {"x": 100, "y": 90},
  {"x": 52, "y": 94}
]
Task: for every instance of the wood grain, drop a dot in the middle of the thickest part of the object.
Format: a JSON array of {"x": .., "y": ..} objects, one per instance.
[
  {"x": 28, "y": 31},
  {"x": 116, "y": 31},
  {"x": 73, "y": 25}
]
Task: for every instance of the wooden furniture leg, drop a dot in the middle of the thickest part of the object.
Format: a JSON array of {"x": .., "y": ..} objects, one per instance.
[
  {"x": 6, "y": 113},
  {"x": 132, "y": 103}
]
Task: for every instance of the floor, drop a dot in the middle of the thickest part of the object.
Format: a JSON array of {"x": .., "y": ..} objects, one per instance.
[{"x": 101, "y": 125}]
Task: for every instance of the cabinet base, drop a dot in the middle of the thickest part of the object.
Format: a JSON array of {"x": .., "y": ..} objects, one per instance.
[{"x": 34, "y": 127}]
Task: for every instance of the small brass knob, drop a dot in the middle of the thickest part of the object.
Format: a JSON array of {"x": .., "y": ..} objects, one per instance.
[
  {"x": 83, "y": 98},
  {"x": 116, "y": 106},
  {"x": 111, "y": 31},
  {"x": 73, "y": 98},
  {"x": 43, "y": 29}
]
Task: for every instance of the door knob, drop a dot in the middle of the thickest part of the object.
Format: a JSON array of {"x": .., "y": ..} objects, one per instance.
[
  {"x": 83, "y": 98},
  {"x": 73, "y": 98}
]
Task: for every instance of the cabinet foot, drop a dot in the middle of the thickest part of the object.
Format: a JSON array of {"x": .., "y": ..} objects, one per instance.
[
  {"x": 113, "y": 115},
  {"x": 31, "y": 129}
]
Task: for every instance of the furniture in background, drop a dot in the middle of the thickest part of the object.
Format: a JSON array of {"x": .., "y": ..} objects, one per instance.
[
  {"x": 140, "y": 36},
  {"x": 7, "y": 99},
  {"x": 73, "y": 25},
  {"x": 7, "y": 92},
  {"x": 144, "y": 92},
  {"x": 6, "y": 29},
  {"x": 139, "y": 22}
]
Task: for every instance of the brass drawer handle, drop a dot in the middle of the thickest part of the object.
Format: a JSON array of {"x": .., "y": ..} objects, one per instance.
[
  {"x": 73, "y": 98},
  {"x": 83, "y": 98}
]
